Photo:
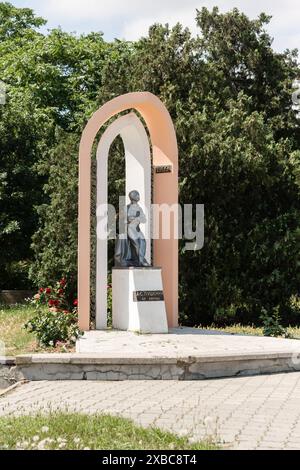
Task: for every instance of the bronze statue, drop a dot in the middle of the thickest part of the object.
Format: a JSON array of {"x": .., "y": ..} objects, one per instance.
[{"x": 130, "y": 247}]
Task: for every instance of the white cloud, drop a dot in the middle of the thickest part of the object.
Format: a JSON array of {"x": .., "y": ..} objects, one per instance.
[
  {"x": 284, "y": 26},
  {"x": 109, "y": 9},
  {"x": 136, "y": 28},
  {"x": 131, "y": 19}
]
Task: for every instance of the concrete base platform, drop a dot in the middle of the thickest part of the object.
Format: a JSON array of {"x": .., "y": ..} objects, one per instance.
[{"x": 184, "y": 354}]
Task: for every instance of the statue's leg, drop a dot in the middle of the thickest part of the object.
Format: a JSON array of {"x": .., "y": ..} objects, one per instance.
[
  {"x": 128, "y": 252},
  {"x": 134, "y": 249},
  {"x": 121, "y": 252},
  {"x": 142, "y": 253}
]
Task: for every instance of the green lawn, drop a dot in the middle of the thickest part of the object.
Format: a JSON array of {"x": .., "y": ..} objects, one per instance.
[
  {"x": 16, "y": 338},
  {"x": 294, "y": 332},
  {"x": 82, "y": 432},
  {"x": 12, "y": 333}
]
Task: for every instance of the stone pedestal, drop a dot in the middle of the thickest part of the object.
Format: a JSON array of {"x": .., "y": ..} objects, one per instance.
[{"x": 138, "y": 300}]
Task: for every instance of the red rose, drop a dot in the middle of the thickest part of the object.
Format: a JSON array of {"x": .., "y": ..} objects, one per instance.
[
  {"x": 51, "y": 303},
  {"x": 75, "y": 303},
  {"x": 42, "y": 290},
  {"x": 48, "y": 290},
  {"x": 63, "y": 282},
  {"x": 61, "y": 291}
]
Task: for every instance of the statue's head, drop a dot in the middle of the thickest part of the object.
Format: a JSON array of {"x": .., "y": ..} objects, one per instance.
[{"x": 134, "y": 196}]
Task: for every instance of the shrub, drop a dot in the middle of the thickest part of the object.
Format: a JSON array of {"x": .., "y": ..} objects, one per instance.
[
  {"x": 53, "y": 327},
  {"x": 272, "y": 324},
  {"x": 58, "y": 323},
  {"x": 61, "y": 297}
]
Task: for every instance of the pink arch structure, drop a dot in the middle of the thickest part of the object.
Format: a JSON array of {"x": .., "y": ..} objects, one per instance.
[{"x": 165, "y": 153}]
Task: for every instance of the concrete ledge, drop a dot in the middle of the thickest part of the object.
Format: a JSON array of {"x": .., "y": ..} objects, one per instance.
[
  {"x": 78, "y": 367},
  {"x": 7, "y": 361},
  {"x": 98, "y": 359},
  {"x": 9, "y": 373}
]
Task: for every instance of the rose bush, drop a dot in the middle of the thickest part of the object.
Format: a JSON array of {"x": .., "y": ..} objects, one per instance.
[
  {"x": 59, "y": 297},
  {"x": 54, "y": 328},
  {"x": 55, "y": 322}
]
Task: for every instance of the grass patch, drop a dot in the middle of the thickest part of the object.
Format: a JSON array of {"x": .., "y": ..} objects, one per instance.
[
  {"x": 12, "y": 333},
  {"x": 16, "y": 339},
  {"x": 294, "y": 332},
  {"x": 82, "y": 432}
]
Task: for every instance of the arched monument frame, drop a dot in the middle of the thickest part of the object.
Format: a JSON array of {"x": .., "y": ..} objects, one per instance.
[{"x": 165, "y": 191}]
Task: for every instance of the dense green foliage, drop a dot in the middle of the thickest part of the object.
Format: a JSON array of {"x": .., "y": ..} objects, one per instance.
[
  {"x": 55, "y": 240},
  {"x": 229, "y": 94},
  {"x": 52, "y": 82}
]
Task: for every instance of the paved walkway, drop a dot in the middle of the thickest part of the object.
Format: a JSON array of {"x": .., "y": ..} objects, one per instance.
[{"x": 261, "y": 412}]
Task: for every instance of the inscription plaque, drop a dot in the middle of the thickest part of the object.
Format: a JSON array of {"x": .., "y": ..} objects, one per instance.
[
  {"x": 148, "y": 296},
  {"x": 163, "y": 169}
]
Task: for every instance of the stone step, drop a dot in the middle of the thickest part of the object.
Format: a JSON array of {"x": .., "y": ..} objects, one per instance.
[{"x": 97, "y": 367}]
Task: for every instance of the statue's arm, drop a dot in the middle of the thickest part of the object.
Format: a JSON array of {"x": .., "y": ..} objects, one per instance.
[
  {"x": 142, "y": 217},
  {"x": 130, "y": 217}
]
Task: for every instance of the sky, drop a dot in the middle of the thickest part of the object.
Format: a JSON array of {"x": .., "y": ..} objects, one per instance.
[{"x": 130, "y": 19}]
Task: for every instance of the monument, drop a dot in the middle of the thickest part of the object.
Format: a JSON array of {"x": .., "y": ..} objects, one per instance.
[
  {"x": 138, "y": 298},
  {"x": 145, "y": 276}
]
